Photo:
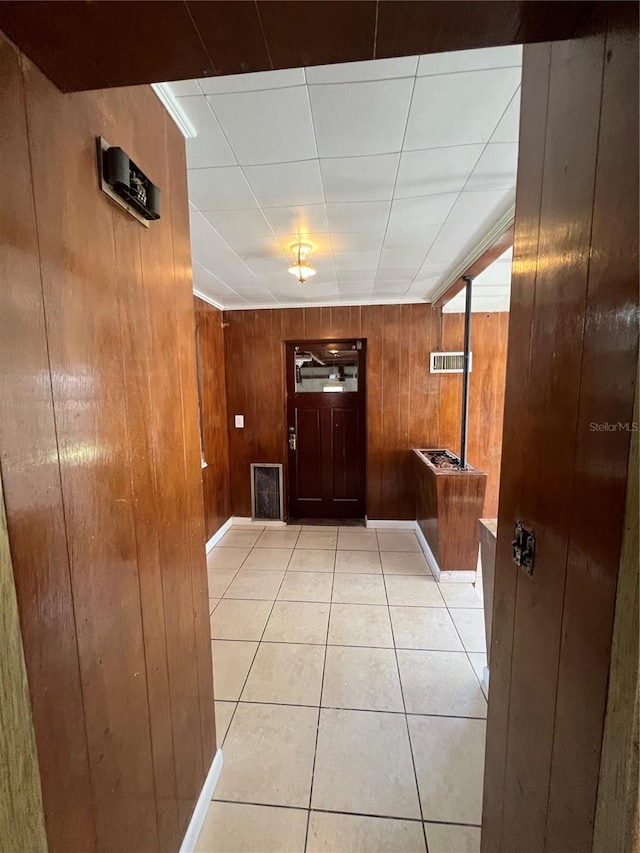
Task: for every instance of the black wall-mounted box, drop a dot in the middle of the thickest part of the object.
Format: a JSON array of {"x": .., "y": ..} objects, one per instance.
[{"x": 126, "y": 183}]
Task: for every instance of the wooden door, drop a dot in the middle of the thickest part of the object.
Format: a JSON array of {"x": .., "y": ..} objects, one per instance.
[{"x": 326, "y": 423}]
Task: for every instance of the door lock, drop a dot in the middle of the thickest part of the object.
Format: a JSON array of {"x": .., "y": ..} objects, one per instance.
[{"x": 292, "y": 441}]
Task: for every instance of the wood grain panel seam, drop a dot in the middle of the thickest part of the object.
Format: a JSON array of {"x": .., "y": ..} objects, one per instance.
[
  {"x": 204, "y": 763},
  {"x": 264, "y": 37},
  {"x": 49, "y": 383},
  {"x": 581, "y": 337},
  {"x": 200, "y": 39},
  {"x": 135, "y": 535},
  {"x": 503, "y": 471}
]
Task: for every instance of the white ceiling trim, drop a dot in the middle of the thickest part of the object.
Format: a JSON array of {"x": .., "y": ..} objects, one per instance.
[
  {"x": 506, "y": 221},
  {"x": 209, "y": 299}
]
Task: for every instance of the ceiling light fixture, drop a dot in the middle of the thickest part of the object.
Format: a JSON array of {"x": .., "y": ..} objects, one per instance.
[{"x": 302, "y": 269}]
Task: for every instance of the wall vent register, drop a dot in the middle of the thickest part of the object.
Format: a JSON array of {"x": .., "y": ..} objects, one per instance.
[
  {"x": 125, "y": 182},
  {"x": 449, "y": 362}
]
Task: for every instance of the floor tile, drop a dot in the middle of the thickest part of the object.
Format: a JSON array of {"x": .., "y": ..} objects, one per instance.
[
  {"x": 398, "y": 541},
  {"x": 219, "y": 581},
  {"x": 440, "y": 683},
  {"x": 449, "y": 838},
  {"x": 460, "y": 595},
  {"x": 231, "y": 664},
  {"x": 330, "y": 832},
  {"x": 236, "y": 538},
  {"x": 241, "y": 828},
  {"x": 297, "y": 622},
  {"x": 321, "y": 539},
  {"x": 239, "y": 620},
  {"x": 224, "y": 712},
  {"x": 359, "y": 589},
  {"x": 405, "y": 563},
  {"x": 363, "y": 765},
  {"x": 278, "y": 539},
  {"x": 478, "y": 662},
  {"x": 424, "y": 628},
  {"x": 361, "y": 678},
  {"x": 449, "y": 760},
  {"x": 321, "y": 528},
  {"x": 249, "y": 525},
  {"x": 306, "y": 586},
  {"x": 268, "y": 755},
  {"x": 350, "y": 539},
  {"x": 470, "y": 625},
  {"x": 361, "y": 562},
  {"x": 226, "y": 558},
  {"x": 360, "y": 625},
  {"x": 413, "y": 591},
  {"x": 212, "y": 604},
  {"x": 252, "y": 583},
  {"x": 286, "y": 673},
  {"x": 312, "y": 560},
  {"x": 269, "y": 559}
]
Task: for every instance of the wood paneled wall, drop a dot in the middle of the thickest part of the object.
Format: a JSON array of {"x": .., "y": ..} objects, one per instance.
[
  {"x": 101, "y": 466},
  {"x": 21, "y": 812},
  {"x": 573, "y": 342},
  {"x": 406, "y": 405},
  {"x": 213, "y": 402}
]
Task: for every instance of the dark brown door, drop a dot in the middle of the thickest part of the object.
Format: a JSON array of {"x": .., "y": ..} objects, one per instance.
[{"x": 326, "y": 411}]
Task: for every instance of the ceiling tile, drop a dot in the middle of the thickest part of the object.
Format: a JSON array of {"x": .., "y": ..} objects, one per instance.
[
  {"x": 358, "y": 216},
  {"x": 355, "y": 72},
  {"x": 179, "y": 88},
  {"x": 360, "y": 285},
  {"x": 346, "y": 276},
  {"x": 354, "y": 119},
  {"x": 457, "y": 109},
  {"x": 397, "y": 274},
  {"x": 255, "y": 248},
  {"x": 214, "y": 253},
  {"x": 303, "y": 221},
  {"x": 356, "y": 261},
  {"x": 359, "y": 178},
  {"x": 436, "y": 170},
  {"x": 452, "y": 243},
  {"x": 209, "y": 147},
  {"x": 496, "y": 169},
  {"x": 220, "y": 189},
  {"x": 480, "y": 207},
  {"x": 232, "y": 224},
  {"x": 357, "y": 242},
  {"x": 411, "y": 257},
  {"x": 416, "y": 236},
  {"x": 411, "y": 213},
  {"x": 286, "y": 184},
  {"x": 252, "y": 82},
  {"x": 470, "y": 60},
  {"x": 272, "y": 126},
  {"x": 508, "y": 129},
  {"x": 211, "y": 286}
]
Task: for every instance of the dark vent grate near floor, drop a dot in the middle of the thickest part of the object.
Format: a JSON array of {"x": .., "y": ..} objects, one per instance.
[{"x": 266, "y": 491}]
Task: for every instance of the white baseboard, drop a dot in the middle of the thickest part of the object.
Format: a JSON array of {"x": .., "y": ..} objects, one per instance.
[
  {"x": 391, "y": 524},
  {"x": 200, "y": 811},
  {"x": 217, "y": 536},
  {"x": 443, "y": 577},
  {"x": 256, "y": 522}
]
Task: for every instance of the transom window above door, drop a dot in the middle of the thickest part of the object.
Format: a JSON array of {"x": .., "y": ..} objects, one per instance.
[{"x": 327, "y": 367}]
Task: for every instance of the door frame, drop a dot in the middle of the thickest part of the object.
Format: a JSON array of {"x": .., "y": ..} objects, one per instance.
[{"x": 285, "y": 444}]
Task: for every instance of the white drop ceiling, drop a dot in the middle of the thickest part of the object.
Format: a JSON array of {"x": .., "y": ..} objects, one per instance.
[
  {"x": 392, "y": 169},
  {"x": 490, "y": 291}
]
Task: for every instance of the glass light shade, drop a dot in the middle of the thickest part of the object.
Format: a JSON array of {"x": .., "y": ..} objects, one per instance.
[{"x": 302, "y": 271}]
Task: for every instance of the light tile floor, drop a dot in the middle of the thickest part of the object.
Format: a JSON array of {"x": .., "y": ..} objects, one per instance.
[{"x": 348, "y": 699}]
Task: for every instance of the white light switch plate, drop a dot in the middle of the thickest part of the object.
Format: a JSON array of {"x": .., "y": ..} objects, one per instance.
[{"x": 239, "y": 421}]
